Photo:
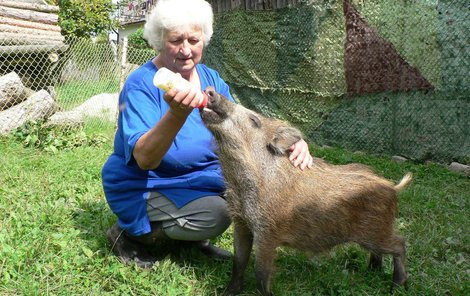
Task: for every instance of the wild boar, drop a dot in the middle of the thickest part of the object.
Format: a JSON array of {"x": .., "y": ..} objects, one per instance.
[{"x": 274, "y": 204}]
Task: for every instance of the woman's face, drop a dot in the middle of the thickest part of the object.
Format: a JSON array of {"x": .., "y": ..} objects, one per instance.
[{"x": 182, "y": 51}]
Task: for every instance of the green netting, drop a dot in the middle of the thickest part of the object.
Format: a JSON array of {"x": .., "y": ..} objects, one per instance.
[
  {"x": 291, "y": 63},
  {"x": 390, "y": 123}
]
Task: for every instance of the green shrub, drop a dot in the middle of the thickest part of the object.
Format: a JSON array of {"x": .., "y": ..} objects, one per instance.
[
  {"x": 37, "y": 134},
  {"x": 136, "y": 39}
]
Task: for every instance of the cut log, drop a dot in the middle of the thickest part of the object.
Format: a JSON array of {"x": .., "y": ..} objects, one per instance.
[
  {"x": 39, "y": 48},
  {"x": 23, "y": 39},
  {"x": 31, "y": 6},
  {"x": 28, "y": 15},
  {"x": 103, "y": 106},
  {"x": 66, "y": 119},
  {"x": 12, "y": 91},
  {"x": 18, "y": 32},
  {"x": 28, "y": 24},
  {"x": 38, "y": 106}
]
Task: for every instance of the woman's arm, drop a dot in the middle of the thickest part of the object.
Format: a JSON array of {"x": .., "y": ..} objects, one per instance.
[{"x": 154, "y": 144}]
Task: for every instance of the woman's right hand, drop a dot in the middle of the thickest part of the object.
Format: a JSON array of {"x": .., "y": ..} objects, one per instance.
[
  {"x": 181, "y": 102},
  {"x": 152, "y": 146}
]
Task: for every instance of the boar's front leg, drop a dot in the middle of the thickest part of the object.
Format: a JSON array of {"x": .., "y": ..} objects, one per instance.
[
  {"x": 243, "y": 243},
  {"x": 264, "y": 266}
]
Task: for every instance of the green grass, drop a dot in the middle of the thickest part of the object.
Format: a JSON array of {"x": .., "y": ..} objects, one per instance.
[{"x": 53, "y": 217}]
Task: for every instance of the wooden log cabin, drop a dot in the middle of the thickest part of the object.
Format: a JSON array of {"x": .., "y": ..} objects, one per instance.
[{"x": 30, "y": 40}]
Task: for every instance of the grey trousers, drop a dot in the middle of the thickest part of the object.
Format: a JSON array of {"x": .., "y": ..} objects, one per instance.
[{"x": 203, "y": 218}]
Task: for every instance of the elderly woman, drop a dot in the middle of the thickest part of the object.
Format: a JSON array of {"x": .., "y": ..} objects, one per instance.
[{"x": 163, "y": 180}]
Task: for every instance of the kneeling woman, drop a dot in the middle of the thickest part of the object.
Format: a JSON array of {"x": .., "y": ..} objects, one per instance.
[{"x": 163, "y": 180}]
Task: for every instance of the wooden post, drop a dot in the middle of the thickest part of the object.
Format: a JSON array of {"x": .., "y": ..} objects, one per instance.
[
  {"x": 123, "y": 75},
  {"x": 123, "y": 63}
]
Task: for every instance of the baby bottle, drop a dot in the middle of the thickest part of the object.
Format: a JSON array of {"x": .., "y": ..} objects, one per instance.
[{"x": 165, "y": 80}]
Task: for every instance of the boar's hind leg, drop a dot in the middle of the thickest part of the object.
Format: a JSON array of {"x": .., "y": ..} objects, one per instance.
[
  {"x": 375, "y": 261},
  {"x": 399, "y": 273},
  {"x": 265, "y": 256},
  {"x": 243, "y": 243},
  {"x": 394, "y": 246}
]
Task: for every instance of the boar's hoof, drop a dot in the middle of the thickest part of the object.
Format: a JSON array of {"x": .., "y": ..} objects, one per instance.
[
  {"x": 233, "y": 289},
  {"x": 399, "y": 284}
]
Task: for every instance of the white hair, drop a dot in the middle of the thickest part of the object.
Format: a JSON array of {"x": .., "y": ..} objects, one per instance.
[{"x": 179, "y": 15}]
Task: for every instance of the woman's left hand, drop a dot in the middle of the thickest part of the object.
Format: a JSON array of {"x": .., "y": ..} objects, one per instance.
[{"x": 300, "y": 156}]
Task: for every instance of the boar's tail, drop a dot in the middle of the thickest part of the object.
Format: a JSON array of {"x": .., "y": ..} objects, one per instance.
[{"x": 404, "y": 182}]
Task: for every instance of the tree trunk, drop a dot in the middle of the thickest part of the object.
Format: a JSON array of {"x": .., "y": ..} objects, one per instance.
[
  {"x": 38, "y": 106},
  {"x": 12, "y": 91}
]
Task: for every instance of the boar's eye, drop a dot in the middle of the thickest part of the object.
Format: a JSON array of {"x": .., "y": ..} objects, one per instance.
[{"x": 255, "y": 121}]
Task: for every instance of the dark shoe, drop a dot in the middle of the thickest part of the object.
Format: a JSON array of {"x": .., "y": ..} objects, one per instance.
[
  {"x": 128, "y": 250},
  {"x": 212, "y": 251}
]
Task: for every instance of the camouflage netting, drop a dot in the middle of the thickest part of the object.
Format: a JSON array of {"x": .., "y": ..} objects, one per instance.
[{"x": 381, "y": 76}]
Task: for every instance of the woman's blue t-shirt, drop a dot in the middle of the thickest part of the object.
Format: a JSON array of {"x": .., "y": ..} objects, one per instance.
[{"x": 189, "y": 170}]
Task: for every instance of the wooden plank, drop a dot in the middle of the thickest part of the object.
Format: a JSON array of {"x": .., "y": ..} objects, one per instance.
[
  {"x": 28, "y": 15},
  {"x": 31, "y": 6},
  {"x": 236, "y": 4},
  {"x": 220, "y": 6},
  {"x": 28, "y": 24}
]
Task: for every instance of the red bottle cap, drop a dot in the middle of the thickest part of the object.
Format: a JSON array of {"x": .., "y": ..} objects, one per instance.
[{"x": 204, "y": 101}]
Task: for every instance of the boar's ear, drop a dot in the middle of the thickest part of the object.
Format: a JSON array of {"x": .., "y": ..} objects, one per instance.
[{"x": 283, "y": 138}]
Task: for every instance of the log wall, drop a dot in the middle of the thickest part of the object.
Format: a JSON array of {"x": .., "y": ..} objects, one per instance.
[{"x": 220, "y": 6}]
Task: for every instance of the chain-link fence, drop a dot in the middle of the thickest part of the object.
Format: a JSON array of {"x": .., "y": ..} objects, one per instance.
[
  {"x": 64, "y": 83},
  {"x": 378, "y": 76}
]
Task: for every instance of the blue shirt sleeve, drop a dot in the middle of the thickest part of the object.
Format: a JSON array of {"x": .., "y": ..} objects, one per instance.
[{"x": 140, "y": 110}]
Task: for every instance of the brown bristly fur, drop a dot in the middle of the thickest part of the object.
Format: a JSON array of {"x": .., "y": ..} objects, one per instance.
[{"x": 274, "y": 204}]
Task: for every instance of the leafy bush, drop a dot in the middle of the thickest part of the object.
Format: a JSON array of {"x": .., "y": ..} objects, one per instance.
[
  {"x": 85, "y": 18},
  {"x": 138, "y": 51},
  {"x": 136, "y": 39},
  {"x": 38, "y": 134}
]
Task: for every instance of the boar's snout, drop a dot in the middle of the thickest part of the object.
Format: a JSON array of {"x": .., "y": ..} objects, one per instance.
[
  {"x": 211, "y": 94},
  {"x": 217, "y": 107}
]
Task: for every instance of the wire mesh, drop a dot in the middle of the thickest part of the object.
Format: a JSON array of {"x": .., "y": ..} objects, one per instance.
[
  {"x": 378, "y": 76},
  {"x": 63, "y": 83}
]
